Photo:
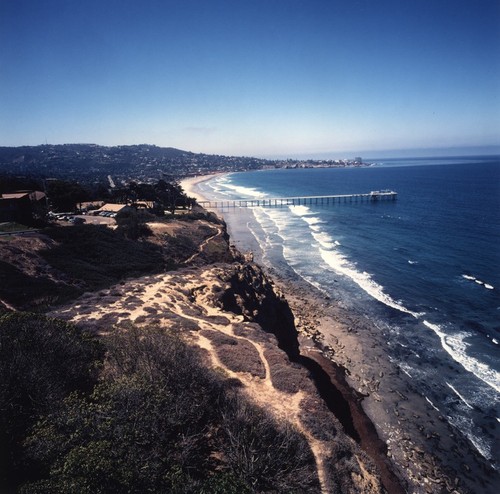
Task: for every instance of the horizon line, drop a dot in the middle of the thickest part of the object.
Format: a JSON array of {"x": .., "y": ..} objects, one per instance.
[{"x": 388, "y": 153}]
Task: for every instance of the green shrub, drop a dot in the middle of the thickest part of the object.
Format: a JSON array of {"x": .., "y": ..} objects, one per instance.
[
  {"x": 99, "y": 256},
  {"x": 159, "y": 421},
  {"x": 269, "y": 456},
  {"x": 41, "y": 361}
]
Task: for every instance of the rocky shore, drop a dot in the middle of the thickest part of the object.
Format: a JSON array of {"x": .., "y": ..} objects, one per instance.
[{"x": 422, "y": 448}]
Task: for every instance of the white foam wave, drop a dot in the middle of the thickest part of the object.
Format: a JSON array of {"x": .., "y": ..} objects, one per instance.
[
  {"x": 363, "y": 279},
  {"x": 263, "y": 243},
  {"x": 218, "y": 187},
  {"x": 314, "y": 224},
  {"x": 289, "y": 256},
  {"x": 340, "y": 264},
  {"x": 276, "y": 218},
  {"x": 324, "y": 240},
  {"x": 432, "y": 404},
  {"x": 405, "y": 368},
  {"x": 244, "y": 192},
  {"x": 412, "y": 262},
  {"x": 466, "y": 426},
  {"x": 456, "y": 346},
  {"x": 271, "y": 222},
  {"x": 459, "y": 395},
  {"x": 478, "y": 281},
  {"x": 300, "y": 210},
  {"x": 312, "y": 220}
]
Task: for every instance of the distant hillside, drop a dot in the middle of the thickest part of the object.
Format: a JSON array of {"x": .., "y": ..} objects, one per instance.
[{"x": 90, "y": 162}]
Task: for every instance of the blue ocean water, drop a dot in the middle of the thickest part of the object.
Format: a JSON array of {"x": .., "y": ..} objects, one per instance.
[{"x": 427, "y": 266}]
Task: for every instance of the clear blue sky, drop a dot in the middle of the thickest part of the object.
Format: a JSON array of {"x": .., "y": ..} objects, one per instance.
[{"x": 251, "y": 77}]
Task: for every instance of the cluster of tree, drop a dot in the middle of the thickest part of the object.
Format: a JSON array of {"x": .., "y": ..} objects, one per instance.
[
  {"x": 10, "y": 183},
  {"x": 135, "y": 412},
  {"x": 164, "y": 195},
  {"x": 65, "y": 196}
]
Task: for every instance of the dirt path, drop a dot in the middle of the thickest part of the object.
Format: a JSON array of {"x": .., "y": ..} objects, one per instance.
[
  {"x": 204, "y": 244},
  {"x": 280, "y": 404},
  {"x": 184, "y": 298},
  {"x": 261, "y": 391}
]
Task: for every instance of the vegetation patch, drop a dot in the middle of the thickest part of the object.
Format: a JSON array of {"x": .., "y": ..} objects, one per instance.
[
  {"x": 156, "y": 421},
  {"x": 42, "y": 360},
  {"x": 320, "y": 422},
  {"x": 8, "y": 227},
  {"x": 255, "y": 333},
  {"x": 286, "y": 376},
  {"x": 237, "y": 354},
  {"x": 222, "y": 320},
  {"x": 36, "y": 293},
  {"x": 99, "y": 256}
]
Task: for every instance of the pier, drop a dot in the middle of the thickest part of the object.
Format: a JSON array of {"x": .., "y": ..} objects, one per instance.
[{"x": 376, "y": 195}]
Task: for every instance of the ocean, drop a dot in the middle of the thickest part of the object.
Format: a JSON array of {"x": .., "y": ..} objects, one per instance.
[{"x": 424, "y": 267}]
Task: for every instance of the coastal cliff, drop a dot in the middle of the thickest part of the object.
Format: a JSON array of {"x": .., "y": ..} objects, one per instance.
[
  {"x": 245, "y": 328},
  {"x": 195, "y": 302},
  {"x": 224, "y": 306}
]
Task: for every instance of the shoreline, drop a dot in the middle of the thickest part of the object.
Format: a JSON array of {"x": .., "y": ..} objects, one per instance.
[
  {"x": 190, "y": 184},
  {"x": 422, "y": 448}
]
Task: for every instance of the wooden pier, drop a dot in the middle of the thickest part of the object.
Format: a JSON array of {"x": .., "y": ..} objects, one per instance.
[{"x": 300, "y": 201}]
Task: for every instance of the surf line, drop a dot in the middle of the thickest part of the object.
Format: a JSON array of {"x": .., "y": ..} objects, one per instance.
[{"x": 459, "y": 395}]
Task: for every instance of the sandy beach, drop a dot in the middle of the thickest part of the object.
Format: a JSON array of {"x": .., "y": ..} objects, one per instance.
[
  {"x": 190, "y": 185},
  {"x": 422, "y": 447}
]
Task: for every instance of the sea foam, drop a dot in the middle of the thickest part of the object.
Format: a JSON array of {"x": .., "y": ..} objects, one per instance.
[
  {"x": 466, "y": 426},
  {"x": 478, "y": 281},
  {"x": 459, "y": 395},
  {"x": 240, "y": 191},
  {"x": 456, "y": 346},
  {"x": 340, "y": 264}
]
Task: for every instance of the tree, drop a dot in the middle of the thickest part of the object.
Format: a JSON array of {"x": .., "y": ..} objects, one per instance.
[
  {"x": 133, "y": 224},
  {"x": 64, "y": 196}
]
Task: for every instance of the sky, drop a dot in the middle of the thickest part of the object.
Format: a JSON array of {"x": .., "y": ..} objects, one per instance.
[{"x": 270, "y": 78}]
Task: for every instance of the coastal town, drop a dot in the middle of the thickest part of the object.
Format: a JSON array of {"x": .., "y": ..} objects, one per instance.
[{"x": 87, "y": 163}]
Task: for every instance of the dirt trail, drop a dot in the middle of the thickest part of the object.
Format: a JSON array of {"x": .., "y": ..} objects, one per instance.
[
  {"x": 204, "y": 244},
  {"x": 185, "y": 296},
  {"x": 262, "y": 391}
]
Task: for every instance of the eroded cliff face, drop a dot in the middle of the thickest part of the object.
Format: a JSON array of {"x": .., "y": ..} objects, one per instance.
[{"x": 248, "y": 292}]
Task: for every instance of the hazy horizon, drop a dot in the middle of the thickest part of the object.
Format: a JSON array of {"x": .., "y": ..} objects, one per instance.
[
  {"x": 266, "y": 78},
  {"x": 367, "y": 155}
]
